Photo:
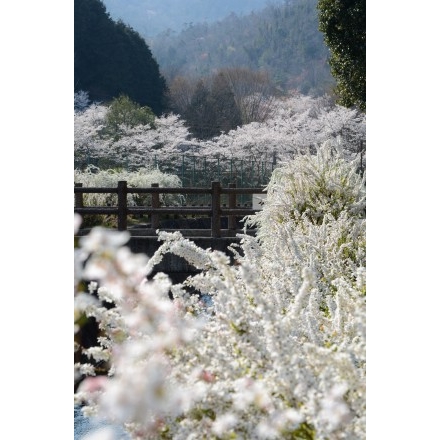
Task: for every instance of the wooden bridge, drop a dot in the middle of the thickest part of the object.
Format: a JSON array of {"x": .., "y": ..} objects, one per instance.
[
  {"x": 221, "y": 216},
  {"x": 214, "y": 209}
]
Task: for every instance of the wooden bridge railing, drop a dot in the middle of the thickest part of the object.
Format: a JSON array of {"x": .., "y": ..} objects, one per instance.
[{"x": 215, "y": 211}]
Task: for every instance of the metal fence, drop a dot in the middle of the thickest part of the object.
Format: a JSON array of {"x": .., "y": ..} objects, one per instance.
[{"x": 196, "y": 171}]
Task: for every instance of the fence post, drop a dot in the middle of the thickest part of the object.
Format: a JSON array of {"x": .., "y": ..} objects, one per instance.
[
  {"x": 215, "y": 204},
  {"x": 122, "y": 205},
  {"x": 155, "y": 203},
  {"x": 232, "y": 220},
  {"x": 79, "y": 201},
  {"x": 218, "y": 169},
  {"x": 183, "y": 170}
]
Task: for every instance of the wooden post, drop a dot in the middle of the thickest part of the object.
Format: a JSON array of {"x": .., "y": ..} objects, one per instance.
[
  {"x": 155, "y": 203},
  {"x": 79, "y": 201},
  {"x": 122, "y": 205},
  {"x": 215, "y": 219},
  {"x": 232, "y": 220}
]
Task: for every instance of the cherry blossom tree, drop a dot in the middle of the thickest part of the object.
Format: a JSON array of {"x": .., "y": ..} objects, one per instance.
[{"x": 297, "y": 123}]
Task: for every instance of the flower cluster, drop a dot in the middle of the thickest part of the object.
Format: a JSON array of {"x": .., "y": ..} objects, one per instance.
[
  {"x": 278, "y": 351},
  {"x": 142, "y": 178}
]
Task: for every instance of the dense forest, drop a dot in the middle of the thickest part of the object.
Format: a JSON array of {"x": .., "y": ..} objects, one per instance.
[
  {"x": 282, "y": 39},
  {"x": 112, "y": 59},
  {"x": 151, "y": 17}
]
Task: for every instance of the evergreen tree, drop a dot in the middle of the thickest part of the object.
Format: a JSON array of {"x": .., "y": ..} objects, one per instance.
[
  {"x": 212, "y": 110},
  {"x": 226, "y": 115},
  {"x": 112, "y": 59},
  {"x": 343, "y": 23},
  {"x": 199, "y": 115}
]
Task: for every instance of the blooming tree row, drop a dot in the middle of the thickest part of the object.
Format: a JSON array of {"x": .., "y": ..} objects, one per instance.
[{"x": 298, "y": 123}]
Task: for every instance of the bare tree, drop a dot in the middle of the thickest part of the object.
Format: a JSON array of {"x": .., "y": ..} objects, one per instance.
[
  {"x": 253, "y": 93},
  {"x": 180, "y": 93}
]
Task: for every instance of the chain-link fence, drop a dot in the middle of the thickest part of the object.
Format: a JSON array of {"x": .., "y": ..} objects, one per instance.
[{"x": 200, "y": 171}]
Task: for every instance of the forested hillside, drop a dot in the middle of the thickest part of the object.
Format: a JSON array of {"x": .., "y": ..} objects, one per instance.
[
  {"x": 112, "y": 59},
  {"x": 282, "y": 39},
  {"x": 151, "y": 17}
]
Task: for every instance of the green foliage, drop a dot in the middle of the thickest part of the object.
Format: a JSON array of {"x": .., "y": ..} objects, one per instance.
[
  {"x": 343, "y": 23},
  {"x": 200, "y": 413},
  {"x": 124, "y": 112},
  {"x": 303, "y": 432}
]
